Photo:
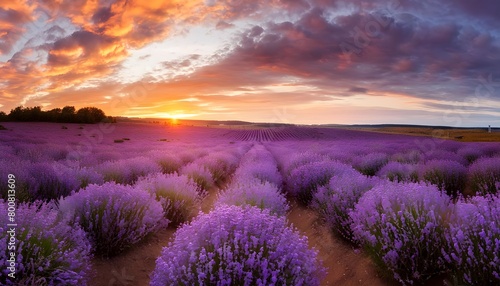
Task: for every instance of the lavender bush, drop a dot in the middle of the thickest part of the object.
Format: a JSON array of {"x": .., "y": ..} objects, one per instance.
[
  {"x": 199, "y": 174},
  {"x": 403, "y": 228},
  {"x": 31, "y": 152},
  {"x": 80, "y": 177},
  {"x": 23, "y": 179},
  {"x": 407, "y": 157},
  {"x": 448, "y": 176},
  {"x": 114, "y": 216},
  {"x": 254, "y": 192},
  {"x": 445, "y": 154},
  {"x": 336, "y": 200},
  {"x": 49, "y": 251},
  {"x": 470, "y": 153},
  {"x": 484, "y": 174},
  {"x": 127, "y": 171},
  {"x": 264, "y": 171},
  {"x": 169, "y": 163},
  {"x": 371, "y": 163},
  {"x": 237, "y": 246},
  {"x": 87, "y": 176},
  {"x": 399, "y": 172},
  {"x": 303, "y": 181},
  {"x": 259, "y": 163},
  {"x": 295, "y": 160},
  {"x": 220, "y": 165},
  {"x": 46, "y": 183},
  {"x": 473, "y": 249},
  {"x": 177, "y": 194}
]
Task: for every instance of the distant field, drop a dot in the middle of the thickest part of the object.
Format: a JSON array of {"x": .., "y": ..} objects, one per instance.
[
  {"x": 279, "y": 131},
  {"x": 457, "y": 134}
]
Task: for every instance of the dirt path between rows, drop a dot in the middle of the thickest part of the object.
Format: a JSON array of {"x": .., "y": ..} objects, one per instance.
[
  {"x": 133, "y": 267},
  {"x": 345, "y": 266}
]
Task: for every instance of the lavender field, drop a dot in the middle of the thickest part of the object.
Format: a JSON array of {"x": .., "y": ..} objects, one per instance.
[{"x": 150, "y": 204}]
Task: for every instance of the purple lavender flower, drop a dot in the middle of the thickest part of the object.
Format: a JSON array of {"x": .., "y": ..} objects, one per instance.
[
  {"x": 47, "y": 182},
  {"x": 177, "y": 194},
  {"x": 259, "y": 163},
  {"x": 445, "y": 154},
  {"x": 473, "y": 248},
  {"x": 23, "y": 179},
  {"x": 484, "y": 174},
  {"x": 237, "y": 246},
  {"x": 169, "y": 162},
  {"x": 220, "y": 165},
  {"x": 303, "y": 181},
  {"x": 295, "y": 160},
  {"x": 38, "y": 181},
  {"x": 264, "y": 171},
  {"x": 370, "y": 164},
  {"x": 127, "y": 171},
  {"x": 448, "y": 176},
  {"x": 470, "y": 153},
  {"x": 402, "y": 227},
  {"x": 399, "y": 172},
  {"x": 48, "y": 250},
  {"x": 336, "y": 200},
  {"x": 199, "y": 174},
  {"x": 254, "y": 192},
  {"x": 114, "y": 216},
  {"x": 407, "y": 157}
]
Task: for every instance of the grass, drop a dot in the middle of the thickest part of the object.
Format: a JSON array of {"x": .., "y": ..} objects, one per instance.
[{"x": 457, "y": 134}]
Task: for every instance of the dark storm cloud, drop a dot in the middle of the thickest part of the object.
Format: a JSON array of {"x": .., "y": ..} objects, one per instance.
[{"x": 388, "y": 52}]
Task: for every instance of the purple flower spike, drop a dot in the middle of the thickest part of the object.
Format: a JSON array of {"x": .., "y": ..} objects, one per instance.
[
  {"x": 114, "y": 216},
  {"x": 237, "y": 246},
  {"x": 402, "y": 226},
  {"x": 49, "y": 251},
  {"x": 473, "y": 249}
]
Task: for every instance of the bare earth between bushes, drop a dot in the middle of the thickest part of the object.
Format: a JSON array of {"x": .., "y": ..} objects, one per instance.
[{"x": 344, "y": 265}]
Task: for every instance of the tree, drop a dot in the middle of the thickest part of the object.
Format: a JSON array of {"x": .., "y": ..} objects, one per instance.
[
  {"x": 3, "y": 116},
  {"x": 68, "y": 114},
  {"x": 90, "y": 115},
  {"x": 16, "y": 114},
  {"x": 53, "y": 115},
  {"x": 34, "y": 113}
]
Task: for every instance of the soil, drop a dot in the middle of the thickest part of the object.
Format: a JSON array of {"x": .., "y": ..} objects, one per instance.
[
  {"x": 345, "y": 265},
  {"x": 134, "y": 266}
]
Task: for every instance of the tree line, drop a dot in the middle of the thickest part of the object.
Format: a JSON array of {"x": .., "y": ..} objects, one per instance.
[{"x": 67, "y": 114}]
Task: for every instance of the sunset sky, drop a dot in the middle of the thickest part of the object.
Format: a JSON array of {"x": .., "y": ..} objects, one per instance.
[{"x": 286, "y": 61}]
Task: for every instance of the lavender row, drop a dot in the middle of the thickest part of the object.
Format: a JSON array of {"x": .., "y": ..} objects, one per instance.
[
  {"x": 469, "y": 170},
  {"x": 256, "y": 182},
  {"x": 235, "y": 245},
  {"x": 409, "y": 215},
  {"x": 42, "y": 178}
]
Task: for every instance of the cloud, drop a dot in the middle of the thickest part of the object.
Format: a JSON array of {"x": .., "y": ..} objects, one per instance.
[
  {"x": 222, "y": 25},
  {"x": 14, "y": 15},
  {"x": 356, "y": 89},
  {"x": 287, "y": 52},
  {"x": 417, "y": 54}
]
